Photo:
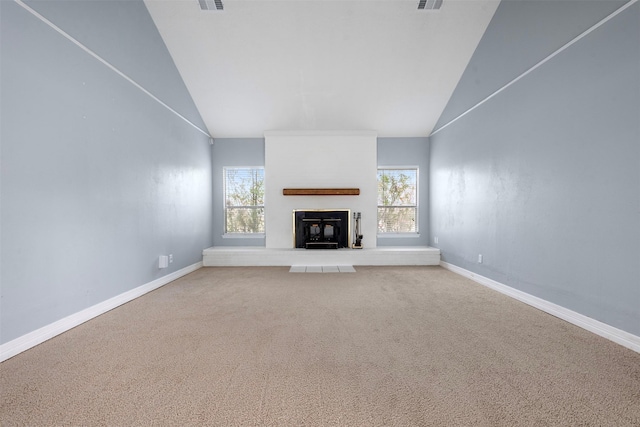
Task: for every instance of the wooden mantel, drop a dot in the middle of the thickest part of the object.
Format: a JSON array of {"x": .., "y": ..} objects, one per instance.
[{"x": 320, "y": 191}]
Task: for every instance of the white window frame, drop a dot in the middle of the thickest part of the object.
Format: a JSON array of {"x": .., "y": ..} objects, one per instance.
[
  {"x": 407, "y": 234},
  {"x": 240, "y": 235}
]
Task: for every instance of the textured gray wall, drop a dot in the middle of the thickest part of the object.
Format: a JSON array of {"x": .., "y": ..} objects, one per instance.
[
  {"x": 409, "y": 152},
  {"x": 232, "y": 152},
  {"x": 521, "y": 33},
  {"x": 97, "y": 179},
  {"x": 544, "y": 179}
]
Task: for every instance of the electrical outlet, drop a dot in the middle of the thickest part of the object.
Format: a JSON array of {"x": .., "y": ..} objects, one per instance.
[
  {"x": 163, "y": 261},
  {"x": 479, "y": 258},
  {"x": 435, "y": 239},
  {"x": 170, "y": 258}
]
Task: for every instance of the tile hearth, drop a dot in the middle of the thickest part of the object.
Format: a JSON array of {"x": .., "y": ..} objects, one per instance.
[{"x": 322, "y": 269}]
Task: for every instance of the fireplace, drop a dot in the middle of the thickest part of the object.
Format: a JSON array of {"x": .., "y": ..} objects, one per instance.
[{"x": 321, "y": 228}]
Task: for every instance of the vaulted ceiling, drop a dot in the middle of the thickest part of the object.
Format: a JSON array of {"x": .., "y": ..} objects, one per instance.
[{"x": 264, "y": 65}]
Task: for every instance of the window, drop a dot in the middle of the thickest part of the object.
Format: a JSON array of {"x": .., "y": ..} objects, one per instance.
[
  {"x": 398, "y": 200},
  {"x": 244, "y": 200}
]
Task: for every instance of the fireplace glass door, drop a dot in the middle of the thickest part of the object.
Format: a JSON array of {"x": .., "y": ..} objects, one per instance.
[{"x": 321, "y": 229}]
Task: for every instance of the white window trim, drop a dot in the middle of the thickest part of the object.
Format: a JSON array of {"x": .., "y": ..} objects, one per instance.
[
  {"x": 243, "y": 236},
  {"x": 226, "y": 235},
  {"x": 409, "y": 234}
]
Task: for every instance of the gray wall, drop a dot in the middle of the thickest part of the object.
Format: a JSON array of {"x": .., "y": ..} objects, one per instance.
[
  {"x": 232, "y": 152},
  {"x": 409, "y": 152},
  {"x": 250, "y": 152},
  {"x": 521, "y": 33},
  {"x": 97, "y": 179},
  {"x": 544, "y": 178}
]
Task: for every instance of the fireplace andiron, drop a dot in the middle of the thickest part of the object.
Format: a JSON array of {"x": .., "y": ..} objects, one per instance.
[{"x": 357, "y": 216}]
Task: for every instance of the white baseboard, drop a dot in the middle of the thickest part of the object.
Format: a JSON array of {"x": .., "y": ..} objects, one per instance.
[
  {"x": 41, "y": 335},
  {"x": 618, "y": 336}
]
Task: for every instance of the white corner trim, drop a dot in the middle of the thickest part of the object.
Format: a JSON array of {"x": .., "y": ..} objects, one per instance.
[
  {"x": 41, "y": 335},
  {"x": 548, "y": 58},
  {"x": 107, "y": 64},
  {"x": 616, "y": 335}
]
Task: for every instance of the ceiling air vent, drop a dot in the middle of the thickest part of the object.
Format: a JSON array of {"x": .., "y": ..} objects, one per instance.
[
  {"x": 211, "y": 4},
  {"x": 429, "y": 4}
]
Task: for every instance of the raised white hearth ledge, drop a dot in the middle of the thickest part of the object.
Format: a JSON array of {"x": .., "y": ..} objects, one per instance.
[{"x": 219, "y": 256}]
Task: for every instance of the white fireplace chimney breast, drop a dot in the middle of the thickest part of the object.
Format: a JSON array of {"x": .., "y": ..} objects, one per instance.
[{"x": 319, "y": 159}]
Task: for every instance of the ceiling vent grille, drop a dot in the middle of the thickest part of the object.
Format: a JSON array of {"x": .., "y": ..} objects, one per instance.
[
  {"x": 211, "y": 4},
  {"x": 429, "y": 4}
]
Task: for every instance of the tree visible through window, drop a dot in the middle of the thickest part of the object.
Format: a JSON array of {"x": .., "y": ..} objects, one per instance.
[
  {"x": 398, "y": 200},
  {"x": 244, "y": 200}
]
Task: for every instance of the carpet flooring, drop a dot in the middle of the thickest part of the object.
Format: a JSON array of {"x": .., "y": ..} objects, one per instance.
[{"x": 385, "y": 346}]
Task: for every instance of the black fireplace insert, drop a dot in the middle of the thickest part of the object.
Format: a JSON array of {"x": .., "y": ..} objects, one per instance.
[{"x": 321, "y": 229}]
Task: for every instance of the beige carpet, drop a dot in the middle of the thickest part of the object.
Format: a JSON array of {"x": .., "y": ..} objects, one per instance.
[{"x": 392, "y": 346}]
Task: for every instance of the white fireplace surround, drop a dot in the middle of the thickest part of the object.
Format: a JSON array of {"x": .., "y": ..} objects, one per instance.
[{"x": 319, "y": 159}]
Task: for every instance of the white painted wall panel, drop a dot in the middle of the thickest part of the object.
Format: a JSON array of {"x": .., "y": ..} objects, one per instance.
[{"x": 318, "y": 160}]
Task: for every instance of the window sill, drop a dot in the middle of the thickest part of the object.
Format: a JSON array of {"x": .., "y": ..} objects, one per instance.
[
  {"x": 397, "y": 235},
  {"x": 243, "y": 236}
]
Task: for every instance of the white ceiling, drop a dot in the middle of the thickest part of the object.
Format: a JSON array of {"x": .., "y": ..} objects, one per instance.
[{"x": 321, "y": 64}]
